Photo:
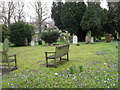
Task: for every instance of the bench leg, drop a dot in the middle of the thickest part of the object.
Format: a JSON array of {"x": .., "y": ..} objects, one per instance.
[
  {"x": 15, "y": 62},
  {"x": 67, "y": 57},
  {"x": 60, "y": 58},
  {"x": 55, "y": 63},
  {"x": 9, "y": 66},
  {"x": 46, "y": 62}
]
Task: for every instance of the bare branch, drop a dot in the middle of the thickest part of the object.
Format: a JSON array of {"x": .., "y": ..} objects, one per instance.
[{"x": 41, "y": 12}]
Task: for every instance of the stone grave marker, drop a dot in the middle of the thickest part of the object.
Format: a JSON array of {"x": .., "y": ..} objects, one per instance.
[
  {"x": 32, "y": 43},
  {"x": 108, "y": 38},
  {"x": 88, "y": 39},
  {"x": 92, "y": 40},
  {"x": 75, "y": 39}
]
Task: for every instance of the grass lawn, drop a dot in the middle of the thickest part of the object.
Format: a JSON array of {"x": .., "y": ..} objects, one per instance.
[{"x": 99, "y": 62}]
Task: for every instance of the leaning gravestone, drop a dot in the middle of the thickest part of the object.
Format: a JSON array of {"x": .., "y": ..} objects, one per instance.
[
  {"x": 108, "y": 38},
  {"x": 75, "y": 39},
  {"x": 32, "y": 43}
]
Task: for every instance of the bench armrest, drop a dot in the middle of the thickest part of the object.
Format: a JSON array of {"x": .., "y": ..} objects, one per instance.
[
  {"x": 46, "y": 53},
  {"x": 12, "y": 55}
]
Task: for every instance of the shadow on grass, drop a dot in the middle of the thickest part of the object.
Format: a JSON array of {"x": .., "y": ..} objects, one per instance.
[
  {"x": 5, "y": 70},
  {"x": 59, "y": 63}
]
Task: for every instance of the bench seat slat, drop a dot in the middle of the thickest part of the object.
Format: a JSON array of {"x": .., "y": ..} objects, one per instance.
[
  {"x": 11, "y": 60},
  {"x": 51, "y": 57}
]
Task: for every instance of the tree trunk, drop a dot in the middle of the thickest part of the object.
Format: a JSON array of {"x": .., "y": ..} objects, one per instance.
[
  {"x": 39, "y": 27},
  {"x": 115, "y": 37},
  {"x": 118, "y": 35},
  {"x": 99, "y": 37},
  {"x": 81, "y": 35}
]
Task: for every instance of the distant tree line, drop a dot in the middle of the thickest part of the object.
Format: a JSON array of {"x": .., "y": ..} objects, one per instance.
[
  {"x": 13, "y": 20},
  {"x": 79, "y": 19}
]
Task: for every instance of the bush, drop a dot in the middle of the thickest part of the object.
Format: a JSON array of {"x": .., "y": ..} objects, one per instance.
[
  {"x": 5, "y": 32},
  {"x": 19, "y": 31},
  {"x": 50, "y": 36}
]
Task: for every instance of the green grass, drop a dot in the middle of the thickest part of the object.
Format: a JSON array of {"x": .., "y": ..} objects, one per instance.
[{"x": 98, "y": 71}]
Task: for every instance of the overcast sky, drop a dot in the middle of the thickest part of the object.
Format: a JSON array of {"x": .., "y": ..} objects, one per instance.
[
  {"x": 31, "y": 11},
  {"x": 49, "y": 4}
]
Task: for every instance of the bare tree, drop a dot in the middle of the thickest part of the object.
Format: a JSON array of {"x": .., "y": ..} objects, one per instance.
[
  {"x": 8, "y": 9},
  {"x": 41, "y": 12},
  {"x": 19, "y": 13},
  {"x": 3, "y": 13}
]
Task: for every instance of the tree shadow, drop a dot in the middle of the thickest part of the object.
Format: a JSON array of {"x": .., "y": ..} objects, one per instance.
[{"x": 59, "y": 63}]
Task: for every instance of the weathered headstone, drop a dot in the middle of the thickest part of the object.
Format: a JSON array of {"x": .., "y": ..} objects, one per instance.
[
  {"x": 108, "y": 38},
  {"x": 75, "y": 39},
  {"x": 32, "y": 43},
  {"x": 88, "y": 39},
  {"x": 92, "y": 40}
]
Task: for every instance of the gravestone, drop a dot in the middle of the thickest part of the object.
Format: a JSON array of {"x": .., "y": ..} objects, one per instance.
[
  {"x": 75, "y": 39},
  {"x": 92, "y": 40},
  {"x": 88, "y": 39},
  {"x": 32, "y": 43},
  {"x": 108, "y": 38}
]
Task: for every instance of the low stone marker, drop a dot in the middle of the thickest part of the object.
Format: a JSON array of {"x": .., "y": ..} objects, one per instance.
[
  {"x": 108, "y": 38},
  {"x": 92, "y": 40},
  {"x": 32, "y": 43},
  {"x": 88, "y": 39},
  {"x": 75, "y": 39}
]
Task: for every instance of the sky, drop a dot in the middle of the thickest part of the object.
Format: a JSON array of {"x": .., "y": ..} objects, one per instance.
[
  {"x": 49, "y": 4},
  {"x": 31, "y": 12}
]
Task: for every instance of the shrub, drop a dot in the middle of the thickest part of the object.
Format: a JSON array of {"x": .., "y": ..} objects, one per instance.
[
  {"x": 19, "y": 31},
  {"x": 5, "y": 32},
  {"x": 72, "y": 69},
  {"x": 81, "y": 68},
  {"x": 50, "y": 36}
]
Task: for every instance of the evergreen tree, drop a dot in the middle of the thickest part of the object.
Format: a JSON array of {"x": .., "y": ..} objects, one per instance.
[{"x": 68, "y": 16}]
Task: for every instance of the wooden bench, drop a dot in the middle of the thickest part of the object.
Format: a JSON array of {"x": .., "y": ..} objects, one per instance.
[
  {"x": 60, "y": 51},
  {"x": 8, "y": 58}
]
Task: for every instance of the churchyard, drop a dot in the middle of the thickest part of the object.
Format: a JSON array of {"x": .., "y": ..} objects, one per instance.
[
  {"x": 98, "y": 61},
  {"x": 66, "y": 45}
]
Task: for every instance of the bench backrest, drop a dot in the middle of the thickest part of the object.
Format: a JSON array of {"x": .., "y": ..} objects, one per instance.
[{"x": 61, "y": 51}]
